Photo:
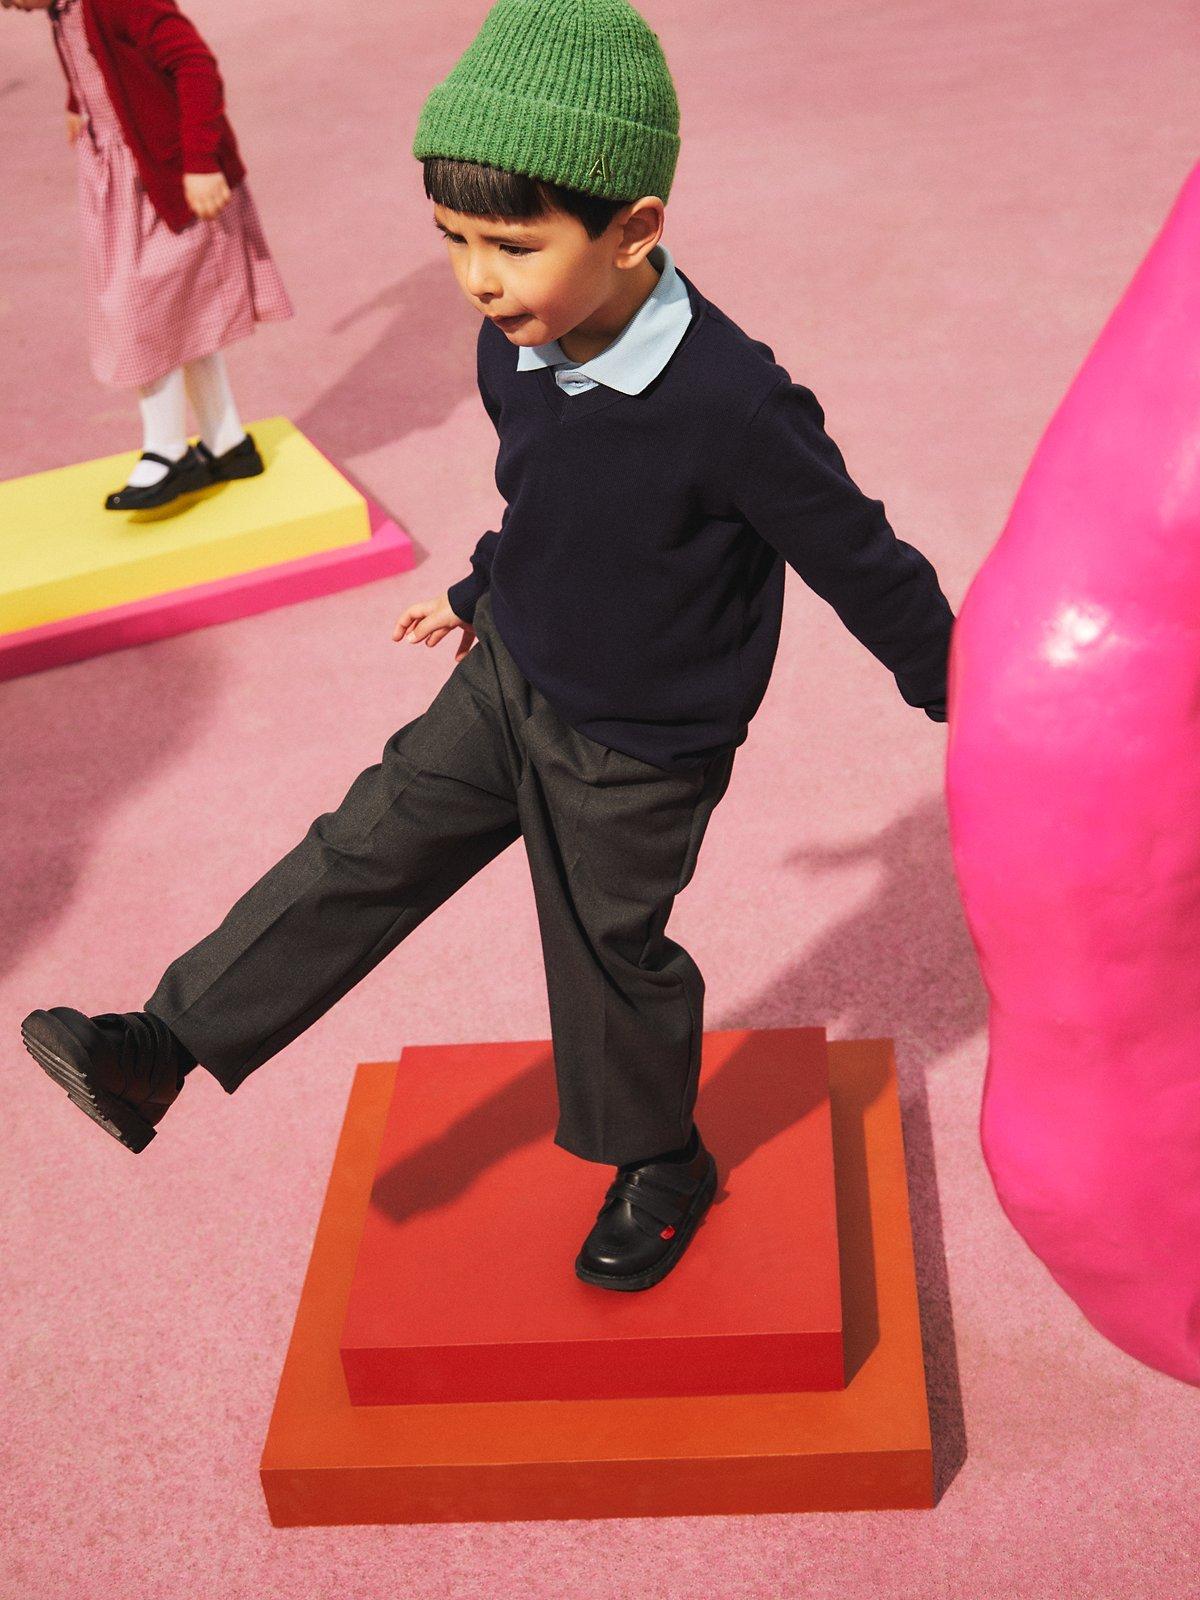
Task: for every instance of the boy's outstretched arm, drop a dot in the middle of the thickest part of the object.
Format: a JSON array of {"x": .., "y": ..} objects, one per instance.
[{"x": 796, "y": 493}]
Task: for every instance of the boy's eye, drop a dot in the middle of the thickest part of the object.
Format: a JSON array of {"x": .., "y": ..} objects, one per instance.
[{"x": 513, "y": 249}]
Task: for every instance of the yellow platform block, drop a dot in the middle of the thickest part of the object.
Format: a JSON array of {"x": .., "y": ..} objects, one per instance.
[{"x": 63, "y": 555}]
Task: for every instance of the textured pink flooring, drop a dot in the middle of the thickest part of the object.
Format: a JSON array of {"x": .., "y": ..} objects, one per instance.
[{"x": 928, "y": 210}]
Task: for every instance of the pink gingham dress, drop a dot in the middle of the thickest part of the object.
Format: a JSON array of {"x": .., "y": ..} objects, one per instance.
[{"x": 156, "y": 299}]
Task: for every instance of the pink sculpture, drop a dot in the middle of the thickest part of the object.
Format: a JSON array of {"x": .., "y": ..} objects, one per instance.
[{"x": 1073, "y": 788}]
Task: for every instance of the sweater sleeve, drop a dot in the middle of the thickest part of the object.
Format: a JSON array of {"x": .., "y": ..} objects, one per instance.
[
  {"x": 464, "y": 594},
  {"x": 175, "y": 47},
  {"x": 796, "y": 493}
]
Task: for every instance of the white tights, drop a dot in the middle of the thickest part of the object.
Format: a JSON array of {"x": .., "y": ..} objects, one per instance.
[{"x": 163, "y": 405}]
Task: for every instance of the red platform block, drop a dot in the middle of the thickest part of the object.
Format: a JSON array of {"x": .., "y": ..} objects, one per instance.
[
  {"x": 866, "y": 1446},
  {"x": 440, "y": 1309}
]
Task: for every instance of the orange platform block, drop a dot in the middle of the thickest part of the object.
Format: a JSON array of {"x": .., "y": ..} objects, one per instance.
[
  {"x": 866, "y": 1446},
  {"x": 467, "y": 1160}
]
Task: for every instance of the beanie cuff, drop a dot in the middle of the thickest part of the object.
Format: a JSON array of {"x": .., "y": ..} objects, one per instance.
[{"x": 593, "y": 152}]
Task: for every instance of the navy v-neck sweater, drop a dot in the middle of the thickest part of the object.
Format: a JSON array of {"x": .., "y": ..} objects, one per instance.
[{"x": 637, "y": 575}]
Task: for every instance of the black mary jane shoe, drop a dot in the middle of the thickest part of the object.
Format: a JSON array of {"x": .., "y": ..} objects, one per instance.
[
  {"x": 650, "y": 1212},
  {"x": 241, "y": 460},
  {"x": 184, "y": 476},
  {"x": 123, "y": 1068}
]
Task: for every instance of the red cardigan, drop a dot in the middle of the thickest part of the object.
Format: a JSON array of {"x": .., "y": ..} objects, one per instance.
[{"x": 167, "y": 94}]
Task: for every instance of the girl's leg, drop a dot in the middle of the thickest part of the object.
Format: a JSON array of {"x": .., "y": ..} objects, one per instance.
[
  {"x": 163, "y": 405},
  {"x": 212, "y": 400}
]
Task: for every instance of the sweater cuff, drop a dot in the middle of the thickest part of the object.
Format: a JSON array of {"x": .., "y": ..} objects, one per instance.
[
  {"x": 464, "y": 595},
  {"x": 200, "y": 161}
]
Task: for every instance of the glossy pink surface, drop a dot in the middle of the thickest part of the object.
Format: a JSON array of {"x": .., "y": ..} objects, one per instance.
[{"x": 1073, "y": 786}]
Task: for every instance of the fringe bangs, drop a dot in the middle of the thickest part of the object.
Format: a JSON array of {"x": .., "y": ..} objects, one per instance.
[{"x": 477, "y": 190}]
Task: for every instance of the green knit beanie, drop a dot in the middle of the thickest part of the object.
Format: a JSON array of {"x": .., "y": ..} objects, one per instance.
[{"x": 576, "y": 92}]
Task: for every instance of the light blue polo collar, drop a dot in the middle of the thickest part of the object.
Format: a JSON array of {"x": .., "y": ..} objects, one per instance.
[{"x": 643, "y": 347}]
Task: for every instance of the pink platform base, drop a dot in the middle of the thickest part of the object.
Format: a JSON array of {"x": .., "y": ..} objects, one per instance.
[{"x": 387, "y": 551}]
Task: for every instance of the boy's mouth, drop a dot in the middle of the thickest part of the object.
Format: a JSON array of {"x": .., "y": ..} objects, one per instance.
[{"x": 507, "y": 323}]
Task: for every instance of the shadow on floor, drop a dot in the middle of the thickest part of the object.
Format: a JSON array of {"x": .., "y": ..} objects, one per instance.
[
  {"x": 416, "y": 373},
  {"x": 78, "y": 741}
]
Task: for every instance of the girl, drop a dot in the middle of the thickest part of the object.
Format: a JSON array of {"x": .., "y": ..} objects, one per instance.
[{"x": 175, "y": 261}]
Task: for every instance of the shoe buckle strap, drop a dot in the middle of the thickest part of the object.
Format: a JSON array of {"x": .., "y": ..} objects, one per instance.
[
  {"x": 668, "y": 1177},
  {"x": 145, "y": 1051},
  {"x": 664, "y": 1208}
]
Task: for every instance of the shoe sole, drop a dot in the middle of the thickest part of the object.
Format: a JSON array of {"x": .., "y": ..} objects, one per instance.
[
  {"x": 656, "y": 1273},
  {"x": 154, "y": 505},
  {"x": 62, "y": 1057}
]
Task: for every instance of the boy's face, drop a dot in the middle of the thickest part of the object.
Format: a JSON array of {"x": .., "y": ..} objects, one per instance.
[{"x": 544, "y": 278}]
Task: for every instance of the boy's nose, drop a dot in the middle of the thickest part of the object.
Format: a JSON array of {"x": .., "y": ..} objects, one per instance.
[{"x": 481, "y": 286}]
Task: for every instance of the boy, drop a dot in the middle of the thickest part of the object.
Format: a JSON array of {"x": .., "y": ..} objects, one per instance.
[{"x": 618, "y": 632}]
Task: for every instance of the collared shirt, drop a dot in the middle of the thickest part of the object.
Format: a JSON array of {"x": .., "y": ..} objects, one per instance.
[{"x": 639, "y": 352}]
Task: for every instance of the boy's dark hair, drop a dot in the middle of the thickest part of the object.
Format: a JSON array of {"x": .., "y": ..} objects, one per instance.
[{"x": 477, "y": 190}]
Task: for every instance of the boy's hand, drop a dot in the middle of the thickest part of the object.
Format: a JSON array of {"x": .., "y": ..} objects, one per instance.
[
  {"x": 205, "y": 192},
  {"x": 74, "y": 126},
  {"x": 432, "y": 620}
]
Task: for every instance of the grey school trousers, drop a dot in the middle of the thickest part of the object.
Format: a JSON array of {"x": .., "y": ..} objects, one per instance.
[{"x": 611, "y": 840}]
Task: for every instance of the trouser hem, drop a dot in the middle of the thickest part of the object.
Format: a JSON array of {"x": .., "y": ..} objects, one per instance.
[
  {"x": 229, "y": 1074},
  {"x": 620, "y": 1155}
]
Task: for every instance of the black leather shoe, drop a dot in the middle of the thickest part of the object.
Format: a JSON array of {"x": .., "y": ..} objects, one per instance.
[
  {"x": 241, "y": 460},
  {"x": 649, "y": 1215},
  {"x": 185, "y": 476},
  {"x": 123, "y": 1069}
]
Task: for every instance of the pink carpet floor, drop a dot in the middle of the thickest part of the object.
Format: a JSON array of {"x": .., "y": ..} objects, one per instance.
[{"x": 927, "y": 209}]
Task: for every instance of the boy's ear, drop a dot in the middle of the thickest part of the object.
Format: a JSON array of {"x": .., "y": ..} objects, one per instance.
[{"x": 641, "y": 227}]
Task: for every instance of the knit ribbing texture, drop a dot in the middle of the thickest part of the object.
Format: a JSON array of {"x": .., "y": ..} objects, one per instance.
[{"x": 576, "y": 92}]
